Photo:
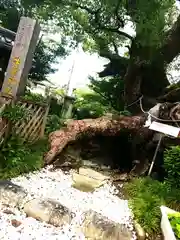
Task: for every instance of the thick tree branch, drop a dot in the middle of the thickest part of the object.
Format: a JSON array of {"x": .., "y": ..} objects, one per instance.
[
  {"x": 89, "y": 10},
  {"x": 109, "y": 55},
  {"x": 119, "y": 20},
  {"x": 115, "y": 30},
  {"x": 171, "y": 48},
  {"x": 115, "y": 48}
]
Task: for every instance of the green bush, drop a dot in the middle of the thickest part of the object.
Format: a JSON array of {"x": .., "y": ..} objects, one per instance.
[
  {"x": 172, "y": 165},
  {"x": 18, "y": 157},
  {"x": 53, "y": 123},
  {"x": 15, "y": 113},
  {"x": 145, "y": 198},
  {"x": 55, "y": 107},
  {"x": 175, "y": 223},
  {"x": 34, "y": 97}
]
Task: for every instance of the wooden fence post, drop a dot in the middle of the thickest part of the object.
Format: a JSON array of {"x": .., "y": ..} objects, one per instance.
[{"x": 44, "y": 121}]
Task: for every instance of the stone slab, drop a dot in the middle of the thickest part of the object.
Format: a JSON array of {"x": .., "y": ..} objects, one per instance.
[
  {"x": 98, "y": 227},
  {"x": 48, "y": 211},
  {"x": 11, "y": 194}
]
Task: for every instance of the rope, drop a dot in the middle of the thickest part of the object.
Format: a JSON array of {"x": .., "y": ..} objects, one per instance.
[{"x": 162, "y": 120}]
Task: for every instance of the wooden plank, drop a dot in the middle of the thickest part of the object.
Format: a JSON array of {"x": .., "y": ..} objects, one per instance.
[
  {"x": 21, "y": 124},
  {"x": 31, "y": 123},
  {"x": 35, "y": 133},
  {"x": 30, "y": 130},
  {"x": 44, "y": 122}
]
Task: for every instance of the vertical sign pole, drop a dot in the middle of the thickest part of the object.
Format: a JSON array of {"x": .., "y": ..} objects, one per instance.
[
  {"x": 155, "y": 154},
  {"x": 21, "y": 58}
]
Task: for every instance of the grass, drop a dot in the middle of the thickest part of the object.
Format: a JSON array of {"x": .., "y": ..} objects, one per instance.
[
  {"x": 18, "y": 157},
  {"x": 145, "y": 198}
]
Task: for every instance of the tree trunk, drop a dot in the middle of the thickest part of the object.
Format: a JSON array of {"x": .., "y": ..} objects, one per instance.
[
  {"x": 148, "y": 81},
  {"x": 104, "y": 126}
]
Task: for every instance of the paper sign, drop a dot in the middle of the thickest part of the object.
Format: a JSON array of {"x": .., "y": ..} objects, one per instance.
[{"x": 166, "y": 129}]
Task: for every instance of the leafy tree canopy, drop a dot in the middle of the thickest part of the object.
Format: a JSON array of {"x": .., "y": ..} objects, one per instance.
[
  {"x": 110, "y": 91},
  {"x": 102, "y": 25}
]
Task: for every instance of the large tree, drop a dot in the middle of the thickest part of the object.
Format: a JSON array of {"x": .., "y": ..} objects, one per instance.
[{"x": 102, "y": 27}]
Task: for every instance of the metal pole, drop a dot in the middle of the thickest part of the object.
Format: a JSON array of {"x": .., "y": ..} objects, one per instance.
[
  {"x": 69, "y": 81},
  {"x": 72, "y": 71},
  {"x": 70, "y": 77},
  {"x": 155, "y": 154}
]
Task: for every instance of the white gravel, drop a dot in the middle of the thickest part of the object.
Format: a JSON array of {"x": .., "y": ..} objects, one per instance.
[{"x": 57, "y": 186}]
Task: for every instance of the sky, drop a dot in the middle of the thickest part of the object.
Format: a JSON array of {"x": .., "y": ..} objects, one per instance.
[{"x": 84, "y": 65}]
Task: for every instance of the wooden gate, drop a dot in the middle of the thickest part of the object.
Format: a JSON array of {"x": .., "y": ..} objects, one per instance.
[{"x": 30, "y": 129}]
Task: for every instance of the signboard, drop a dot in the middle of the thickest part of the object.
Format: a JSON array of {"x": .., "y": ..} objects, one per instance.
[
  {"x": 166, "y": 129},
  {"x": 21, "y": 57}
]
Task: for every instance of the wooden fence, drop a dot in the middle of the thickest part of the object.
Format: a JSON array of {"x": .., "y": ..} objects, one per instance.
[
  {"x": 4, "y": 125},
  {"x": 29, "y": 129}
]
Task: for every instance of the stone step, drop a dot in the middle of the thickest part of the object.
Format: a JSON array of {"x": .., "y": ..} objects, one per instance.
[
  {"x": 48, "y": 211},
  {"x": 88, "y": 180}
]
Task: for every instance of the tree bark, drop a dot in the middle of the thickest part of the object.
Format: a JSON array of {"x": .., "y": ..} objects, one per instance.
[
  {"x": 140, "y": 137},
  {"x": 106, "y": 126},
  {"x": 145, "y": 74}
]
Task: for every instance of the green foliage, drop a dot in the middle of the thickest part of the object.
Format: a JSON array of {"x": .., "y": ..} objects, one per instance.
[
  {"x": 15, "y": 113},
  {"x": 125, "y": 113},
  {"x": 174, "y": 219},
  {"x": 151, "y": 18},
  {"x": 53, "y": 123},
  {"x": 172, "y": 165},
  {"x": 146, "y": 196},
  {"x": 89, "y": 104},
  {"x": 102, "y": 97},
  {"x": 110, "y": 91},
  {"x": 34, "y": 97},
  {"x": 89, "y": 21},
  {"x": 18, "y": 157},
  {"x": 55, "y": 107},
  {"x": 45, "y": 57}
]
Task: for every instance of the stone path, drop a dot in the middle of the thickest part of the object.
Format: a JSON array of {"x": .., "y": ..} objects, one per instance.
[{"x": 45, "y": 205}]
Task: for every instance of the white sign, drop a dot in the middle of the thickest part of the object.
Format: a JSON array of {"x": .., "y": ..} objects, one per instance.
[{"x": 166, "y": 129}]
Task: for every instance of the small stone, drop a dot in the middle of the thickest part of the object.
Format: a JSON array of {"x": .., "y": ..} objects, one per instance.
[
  {"x": 15, "y": 223},
  {"x": 120, "y": 177},
  {"x": 48, "y": 211},
  {"x": 8, "y": 211},
  {"x": 140, "y": 231},
  {"x": 95, "y": 226}
]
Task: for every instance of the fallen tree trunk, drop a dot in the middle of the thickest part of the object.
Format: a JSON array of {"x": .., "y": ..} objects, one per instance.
[
  {"x": 106, "y": 126},
  {"x": 112, "y": 126}
]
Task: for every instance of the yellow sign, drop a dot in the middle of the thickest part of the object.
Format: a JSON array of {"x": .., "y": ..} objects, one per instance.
[{"x": 12, "y": 80}]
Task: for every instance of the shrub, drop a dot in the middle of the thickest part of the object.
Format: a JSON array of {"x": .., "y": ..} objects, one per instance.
[
  {"x": 15, "y": 113},
  {"x": 172, "y": 165},
  {"x": 34, "y": 97},
  {"x": 18, "y": 157},
  {"x": 175, "y": 223},
  {"x": 55, "y": 107},
  {"x": 146, "y": 196},
  {"x": 53, "y": 123}
]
